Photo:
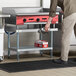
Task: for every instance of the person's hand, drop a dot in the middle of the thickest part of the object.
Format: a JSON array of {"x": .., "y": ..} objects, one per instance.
[
  {"x": 47, "y": 26},
  {"x": 61, "y": 11}
]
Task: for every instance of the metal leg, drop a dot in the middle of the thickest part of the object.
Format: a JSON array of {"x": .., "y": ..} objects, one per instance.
[
  {"x": 41, "y": 52},
  {"x": 51, "y": 51},
  {"x": 8, "y": 44},
  {"x": 17, "y": 46}
]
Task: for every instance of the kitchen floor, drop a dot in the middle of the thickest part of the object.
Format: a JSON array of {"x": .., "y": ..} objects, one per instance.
[{"x": 35, "y": 65}]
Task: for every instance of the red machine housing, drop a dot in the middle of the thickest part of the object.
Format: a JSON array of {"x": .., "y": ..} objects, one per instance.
[{"x": 20, "y": 20}]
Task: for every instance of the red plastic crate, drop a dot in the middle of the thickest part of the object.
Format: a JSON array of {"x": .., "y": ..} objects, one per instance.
[{"x": 41, "y": 44}]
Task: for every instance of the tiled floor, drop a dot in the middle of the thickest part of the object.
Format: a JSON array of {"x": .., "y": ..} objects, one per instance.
[{"x": 61, "y": 71}]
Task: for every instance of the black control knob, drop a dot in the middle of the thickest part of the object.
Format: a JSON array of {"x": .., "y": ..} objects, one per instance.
[
  {"x": 24, "y": 20},
  {"x": 38, "y": 20}
]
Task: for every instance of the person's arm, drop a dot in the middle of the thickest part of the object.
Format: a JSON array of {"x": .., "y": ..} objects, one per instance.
[{"x": 52, "y": 13}]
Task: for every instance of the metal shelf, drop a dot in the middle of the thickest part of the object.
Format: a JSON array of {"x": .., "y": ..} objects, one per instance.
[
  {"x": 37, "y": 13},
  {"x": 29, "y": 48},
  {"x": 35, "y": 30},
  {"x": 37, "y": 23}
]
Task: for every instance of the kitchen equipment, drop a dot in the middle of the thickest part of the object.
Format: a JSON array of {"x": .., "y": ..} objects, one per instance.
[
  {"x": 21, "y": 16},
  {"x": 27, "y": 20}
]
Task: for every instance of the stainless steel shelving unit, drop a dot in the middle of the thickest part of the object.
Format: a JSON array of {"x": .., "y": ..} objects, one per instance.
[
  {"x": 27, "y": 11},
  {"x": 31, "y": 48}
]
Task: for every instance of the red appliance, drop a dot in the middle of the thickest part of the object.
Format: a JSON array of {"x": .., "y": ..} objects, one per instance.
[{"x": 20, "y": 20}]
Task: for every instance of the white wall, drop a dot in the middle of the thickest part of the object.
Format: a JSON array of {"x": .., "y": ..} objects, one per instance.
[
  {"x": 46, "y": 3},
  {"x": 19, "y": 3}
]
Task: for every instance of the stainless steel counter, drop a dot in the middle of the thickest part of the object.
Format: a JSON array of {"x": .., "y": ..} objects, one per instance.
[{"x": 38, "y": 13}]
